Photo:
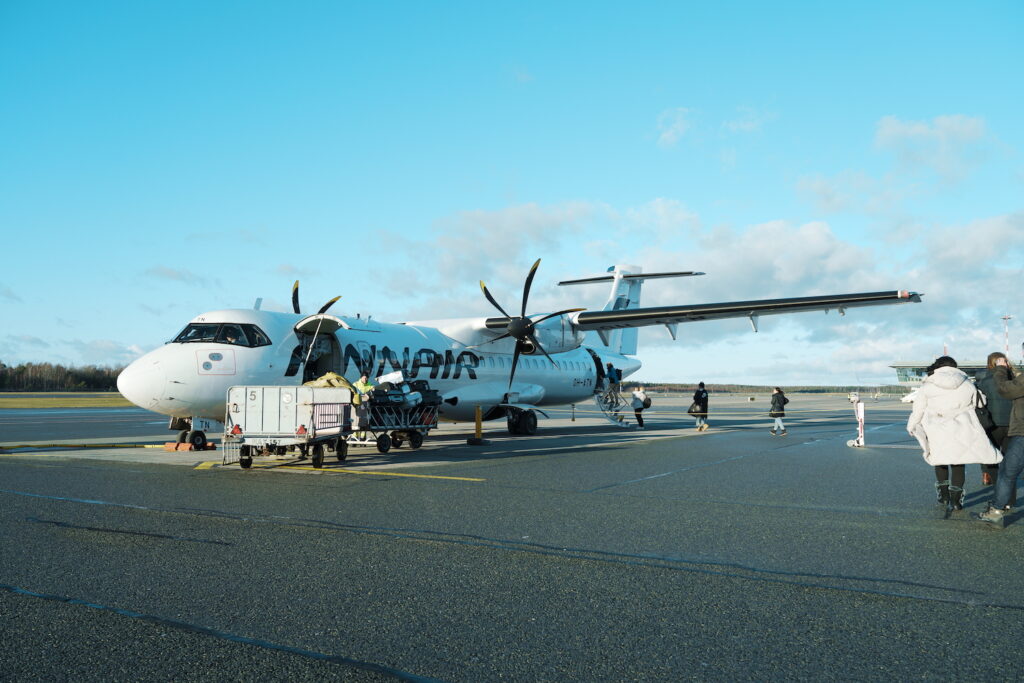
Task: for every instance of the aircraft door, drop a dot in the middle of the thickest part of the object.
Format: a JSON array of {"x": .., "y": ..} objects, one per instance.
[{"x": 318, "y": 351}]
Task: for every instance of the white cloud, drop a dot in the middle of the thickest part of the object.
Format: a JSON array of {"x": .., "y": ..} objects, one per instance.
[
  {"x": 8, "y": 293},
  {"x": 855, "y": 191},
  {"x": 28, "y": 340},
  {"x": 672, "y": 125},
  {"x": 747, "y": 120},
  {"x": 104, "y": 352},
  {"x": 949, "y": 145}
]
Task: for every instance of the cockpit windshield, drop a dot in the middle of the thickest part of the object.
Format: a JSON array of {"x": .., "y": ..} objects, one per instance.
[{"x": 237, "y": 334}]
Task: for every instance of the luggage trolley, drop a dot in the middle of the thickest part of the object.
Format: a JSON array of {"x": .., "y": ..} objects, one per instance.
[
  {"x": 395, "y": 413},
  {"x": 270, "y": 420}
]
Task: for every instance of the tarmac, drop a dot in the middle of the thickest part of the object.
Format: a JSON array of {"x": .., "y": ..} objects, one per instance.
[{"x": 587, "y": 552}]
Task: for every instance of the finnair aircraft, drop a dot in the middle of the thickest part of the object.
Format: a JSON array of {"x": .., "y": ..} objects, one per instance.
[{"x": 510, "y": 366}]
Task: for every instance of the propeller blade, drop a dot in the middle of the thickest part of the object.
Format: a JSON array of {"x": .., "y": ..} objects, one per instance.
[
  {"x": 489, "y": 341},
  {"x": 323, "y": 309},
  {"x": 529, "y": 283},
  {"x": 515, "y": 362},
  {"x": 555, "y": 315},
  {"x": 491, "y": 299},
  {"x": 295, "y": 297},
  {"x": 537, "y": 344}
]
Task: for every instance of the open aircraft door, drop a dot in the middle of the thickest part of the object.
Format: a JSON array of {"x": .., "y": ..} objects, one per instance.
[{"x": 320, "y": 348}]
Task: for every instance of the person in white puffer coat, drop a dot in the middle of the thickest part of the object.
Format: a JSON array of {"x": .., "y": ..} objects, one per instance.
[{"x": 945, "y": 424}]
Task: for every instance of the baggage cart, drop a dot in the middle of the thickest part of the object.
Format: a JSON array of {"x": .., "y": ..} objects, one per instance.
[
  {"x": 387, "y": 425},
  {"x": 270, "y": 420}
]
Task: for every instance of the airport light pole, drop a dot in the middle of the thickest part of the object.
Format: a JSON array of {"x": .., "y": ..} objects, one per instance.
[{"x": 1006, "y": 331}]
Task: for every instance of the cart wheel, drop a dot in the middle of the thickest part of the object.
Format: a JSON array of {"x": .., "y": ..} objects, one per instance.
[
  {"x": 318, "y": 455},
  {"x": 341, "y": 449},
  {"x": 303, "y": 452},
  {"x": 197, "y": 439},
  {"x": 245, "y": 457},
  {"x": 280, "y": 450},
  {"x": 415, "y": 439},
  {"x": 396, "y": 439},
  {"x": 383, "y": 443}
]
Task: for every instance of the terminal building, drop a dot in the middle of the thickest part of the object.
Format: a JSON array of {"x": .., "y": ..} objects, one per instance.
[{"x": 910, "y": 373}]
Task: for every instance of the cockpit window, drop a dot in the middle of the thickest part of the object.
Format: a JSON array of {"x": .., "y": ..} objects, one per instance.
[
  {"x": 232, "y": 334},
  {"x": 224, "y": 333},
  {"x": 198, "y": 332}
]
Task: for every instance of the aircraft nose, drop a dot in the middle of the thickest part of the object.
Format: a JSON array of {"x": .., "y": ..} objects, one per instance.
[{"x": 143, "y": 382}]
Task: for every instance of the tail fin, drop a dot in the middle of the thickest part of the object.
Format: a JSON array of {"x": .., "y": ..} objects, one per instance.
[{"x": 627, "y": 282}]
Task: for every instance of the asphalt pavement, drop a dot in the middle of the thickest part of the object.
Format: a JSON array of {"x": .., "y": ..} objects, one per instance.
[{"x": 587, "y": 552}]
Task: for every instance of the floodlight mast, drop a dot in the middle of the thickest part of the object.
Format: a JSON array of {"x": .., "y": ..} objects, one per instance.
[{"x": 1006, "y": 331}]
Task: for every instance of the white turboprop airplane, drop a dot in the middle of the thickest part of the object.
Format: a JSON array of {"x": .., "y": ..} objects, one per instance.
[{"x": 509, "y": 366}]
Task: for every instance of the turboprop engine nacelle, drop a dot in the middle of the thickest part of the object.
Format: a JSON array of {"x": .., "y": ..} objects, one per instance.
[{"x": 557, "y": 335}]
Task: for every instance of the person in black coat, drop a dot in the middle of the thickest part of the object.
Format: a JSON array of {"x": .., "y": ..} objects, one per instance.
[
  {"x": 700, "y": 401},
  {"x": 778, "y": 411}
]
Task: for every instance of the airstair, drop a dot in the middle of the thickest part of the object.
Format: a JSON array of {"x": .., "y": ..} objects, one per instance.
[{"x": 614, "y": 407}]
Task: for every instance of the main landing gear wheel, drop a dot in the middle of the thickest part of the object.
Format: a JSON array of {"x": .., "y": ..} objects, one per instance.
[
  {"x": 396, "y": 440},
  {"x": 341, "y": 450},
  {"x": 318, "y": 455},
  {"x": 245, "y": 457},
  {"x": 415, "y": 440},
  {"x": 383, "y": 443},
  {"x": 197, "y": 439},
  {"x": 522, "y": 422},
  {"x": 183, "y": 436}
]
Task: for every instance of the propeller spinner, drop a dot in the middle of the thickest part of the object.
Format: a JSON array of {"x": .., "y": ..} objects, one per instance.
[{"x": 522, "y": 327}]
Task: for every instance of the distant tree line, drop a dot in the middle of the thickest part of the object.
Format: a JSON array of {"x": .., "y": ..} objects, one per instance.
[
  {"x": 869, "y": 389},
  {"x": 50, "y": 377}
]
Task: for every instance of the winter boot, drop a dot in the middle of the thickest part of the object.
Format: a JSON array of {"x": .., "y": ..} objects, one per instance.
[
  {"x": 993, "y": 516},
  {"x": 942, "y": 492},
  {"x": 956, "y": 498}
]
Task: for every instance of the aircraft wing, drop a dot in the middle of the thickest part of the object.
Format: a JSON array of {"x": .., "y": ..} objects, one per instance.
[{"x": 673, "y": 315}]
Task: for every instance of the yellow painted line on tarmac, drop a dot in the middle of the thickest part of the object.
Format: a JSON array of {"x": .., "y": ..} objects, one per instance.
[{"x": 208, "y": 465}]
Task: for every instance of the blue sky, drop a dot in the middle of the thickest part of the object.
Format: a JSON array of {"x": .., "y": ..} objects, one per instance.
[{"x": 161, "y": 159}]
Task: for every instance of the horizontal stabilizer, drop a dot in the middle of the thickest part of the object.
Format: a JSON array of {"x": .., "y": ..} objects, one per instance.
[{"x": 638, "y": 276}]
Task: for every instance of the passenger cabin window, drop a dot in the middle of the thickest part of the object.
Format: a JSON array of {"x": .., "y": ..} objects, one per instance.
[{"x": 236, "y": 334}]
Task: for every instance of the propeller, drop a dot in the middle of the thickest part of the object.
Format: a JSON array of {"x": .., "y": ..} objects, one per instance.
[
  {"x": 522, "y": 327},
  {"x": 295, "y": 301}
]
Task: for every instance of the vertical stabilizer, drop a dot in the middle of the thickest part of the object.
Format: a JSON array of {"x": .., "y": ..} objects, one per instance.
[{"x": 624, "y": 295}]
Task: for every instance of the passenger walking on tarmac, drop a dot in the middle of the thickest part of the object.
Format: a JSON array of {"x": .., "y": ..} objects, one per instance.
[
  {"x": 778, "y": 411},
  {"x": 700, "y": 399},
  {"x": 640, "y": 401},
  {"x": 999, "y": 409},
  {"x": 1010, "y": 385},
  {"x": 945, "y": 424}
]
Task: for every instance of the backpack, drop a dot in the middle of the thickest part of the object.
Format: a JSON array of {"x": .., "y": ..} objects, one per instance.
[{"x": 647, "y": 402}]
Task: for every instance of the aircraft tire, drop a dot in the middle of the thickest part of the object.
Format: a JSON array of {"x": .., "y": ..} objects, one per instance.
[
  {"x": 183, "y": 436},
  {"x": 318, "y": 455},
  {"x": 513, "y": 422},
  {"x": 528, "y": 423},
  {"x": 383, "y": 443},
  {"x": 415, "y": 440},
  {"x": 197, "y": 439},
  {"x": 341, "y": 450}
]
